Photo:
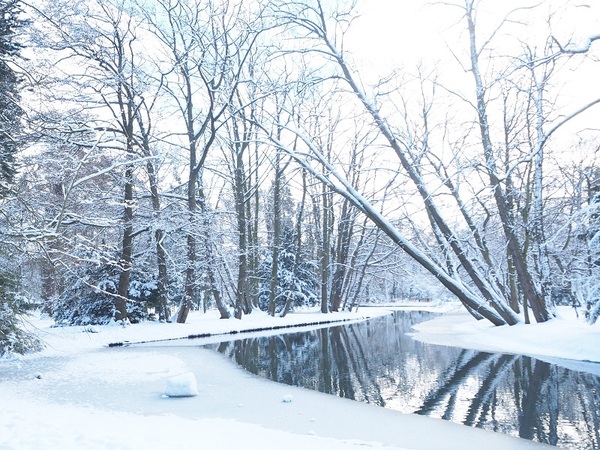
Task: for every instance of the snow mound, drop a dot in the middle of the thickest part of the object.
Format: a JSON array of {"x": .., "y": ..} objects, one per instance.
[
  {"x": 287, "y": 398},
  {"x": 183, "y": 385}
]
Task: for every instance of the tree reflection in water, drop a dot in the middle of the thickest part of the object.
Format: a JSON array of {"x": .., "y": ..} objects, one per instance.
[{"x": 375, "y": 362}]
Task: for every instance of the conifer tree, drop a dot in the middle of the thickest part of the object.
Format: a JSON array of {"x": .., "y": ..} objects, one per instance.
[
  {"x": 10, "y": 111},
  {"x": 12, "y": 338}
]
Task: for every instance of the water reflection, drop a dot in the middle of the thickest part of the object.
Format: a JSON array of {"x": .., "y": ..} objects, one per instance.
[{"x": 375, "y": 362}]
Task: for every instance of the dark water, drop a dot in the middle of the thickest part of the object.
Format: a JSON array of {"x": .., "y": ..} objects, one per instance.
[{"x": 375, "y": 362}]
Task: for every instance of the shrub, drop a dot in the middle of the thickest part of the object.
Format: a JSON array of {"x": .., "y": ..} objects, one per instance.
[
  {"x": 13, "y": 339},
  {"x": 90, "y": 297}
]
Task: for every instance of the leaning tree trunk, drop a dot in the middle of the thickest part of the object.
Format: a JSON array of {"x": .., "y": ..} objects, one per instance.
[
  {"x": 530, "y": 292},
  {"x": 507, "y": 315},
  {"x": 343, "y": 187}
]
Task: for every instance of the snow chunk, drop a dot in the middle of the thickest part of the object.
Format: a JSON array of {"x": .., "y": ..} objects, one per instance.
[
  {"x": 183, "y": 385},
  {"x": 287, "y": 398}
]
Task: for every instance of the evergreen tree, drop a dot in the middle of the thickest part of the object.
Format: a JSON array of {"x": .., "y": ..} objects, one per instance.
[
  {"x": 297, "y": 281},
  {"x": 89, "y": 298},
  {"x": 12, "y": 338},
  {"x": 593, "y": 300},
  {"x": 10, "y": 111}
]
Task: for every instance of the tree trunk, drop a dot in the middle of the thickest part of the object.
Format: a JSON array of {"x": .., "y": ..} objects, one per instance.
[
  {"x": 298, "y": 243},
  {"x": 242, "y": 301},
  {"x": 126, "y": 249},
  {"x": 325, "y": 249},
  {"x": 530, "y": 293},
  {"x": 210, "y": 259},
  {"x": 276, "y": 235},
  {"x": 253, "y": 245},
  {"x": 344, "y": 237},
  {"x": 161, "y": 256},
  {"x": 190, "y": 270}
]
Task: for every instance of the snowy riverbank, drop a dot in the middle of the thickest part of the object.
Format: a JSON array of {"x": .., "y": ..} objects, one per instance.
[
  {"x": 567, "y": 341},
  {"x": 78, "y": 393}
]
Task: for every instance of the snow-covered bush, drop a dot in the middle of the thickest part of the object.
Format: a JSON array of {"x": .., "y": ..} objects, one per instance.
[
  {"x": 89, "y": 298},
  {"x": 593, "y": 285},
  {"x": 593, "y": 289},
  {"x": 13, "y": 339}
]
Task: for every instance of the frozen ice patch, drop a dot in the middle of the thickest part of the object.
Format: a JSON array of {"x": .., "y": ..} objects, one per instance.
[{"x": 183, "y": 385}]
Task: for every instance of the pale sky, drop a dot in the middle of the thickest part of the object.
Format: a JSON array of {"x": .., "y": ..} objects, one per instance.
[
  {"x": 397, "y": 30},
  {"x": 402, "y": 33}
]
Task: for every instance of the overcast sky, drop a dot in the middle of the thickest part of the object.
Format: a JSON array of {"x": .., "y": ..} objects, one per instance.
[{"x": 402, "y": 33}]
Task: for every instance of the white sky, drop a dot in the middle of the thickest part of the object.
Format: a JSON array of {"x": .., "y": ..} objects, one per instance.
[
  {"x": 392, "y": 32},
  {"x": 403, "y": 33},
  {"x": 410, "y": 29}
]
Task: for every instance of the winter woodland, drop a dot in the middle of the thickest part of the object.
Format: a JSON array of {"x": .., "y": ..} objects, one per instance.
[{"x": 163, "y": 156}]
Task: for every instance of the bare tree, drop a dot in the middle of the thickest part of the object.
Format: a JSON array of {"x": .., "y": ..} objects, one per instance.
[
  {"x": 312, "y": 18},
  {"x": 104, "y": 41},
  {"x": 208, "y": 44},
  {"x": 466, "y": 242}
]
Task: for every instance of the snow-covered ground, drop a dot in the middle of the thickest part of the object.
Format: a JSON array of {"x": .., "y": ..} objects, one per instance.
[
  {"x": 567, "y": 341},
  {"x": 79, "y": 393}
]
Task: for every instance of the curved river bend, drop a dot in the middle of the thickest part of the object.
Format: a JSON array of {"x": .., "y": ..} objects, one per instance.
[{"x": 376, "y": 362}]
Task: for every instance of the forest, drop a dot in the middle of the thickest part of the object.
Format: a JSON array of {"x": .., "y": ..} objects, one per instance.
[{"x": 163, "y": 156}]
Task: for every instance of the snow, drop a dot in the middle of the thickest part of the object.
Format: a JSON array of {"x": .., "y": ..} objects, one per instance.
[
  {"x": 184, "y": 385},
  {"x": 79, "y": 393},
  {"x": 567, "y": 341}
]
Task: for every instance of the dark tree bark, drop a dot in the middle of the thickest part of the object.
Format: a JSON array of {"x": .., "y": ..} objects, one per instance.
[
  {"x": 298, "y": 244},
  {"x": 126, "y": 249},
  {"x": 344, "y": 237},
  {"x": 325, "y": 249},
  {"x": 242, "y": 303},
  {"x": 276, "y": 234}
]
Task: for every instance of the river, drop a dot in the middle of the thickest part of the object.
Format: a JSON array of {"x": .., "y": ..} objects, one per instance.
[{"x": 376, "y": 362}]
